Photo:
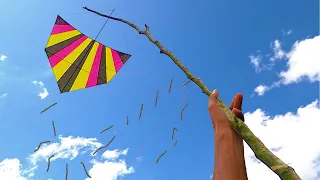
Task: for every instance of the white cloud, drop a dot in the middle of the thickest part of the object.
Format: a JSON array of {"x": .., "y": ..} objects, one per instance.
[
  {"x": 44, "y": 91},
  {"x": 11, "y": 169},
  {"x": 67, "y": 148},
  {"x": 3, "y": 57},
  {"x": 110, "y": 168},
  {"x": 261, "y": 89},
  {"x": 3, "y": 95},
  {"x": 278, "y": 52},
  {"x": 114, "y": 154},
  {"x": 304, "y": 61},
  {"x": 255, "y": 61},
  {"x": 292, "y": 137}
]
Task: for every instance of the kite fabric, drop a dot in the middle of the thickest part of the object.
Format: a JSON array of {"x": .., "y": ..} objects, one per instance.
[{"x": 78, "y": 61}]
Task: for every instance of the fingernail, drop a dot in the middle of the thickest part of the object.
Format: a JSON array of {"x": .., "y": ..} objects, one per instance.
[{"x": 214, "y": 91}]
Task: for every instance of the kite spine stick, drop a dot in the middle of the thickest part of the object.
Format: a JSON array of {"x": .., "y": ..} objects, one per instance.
[{"x": 257, "y": 146}]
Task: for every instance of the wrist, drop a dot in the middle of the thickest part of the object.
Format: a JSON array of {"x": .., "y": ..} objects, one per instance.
[{"x": 222, "y": 127}]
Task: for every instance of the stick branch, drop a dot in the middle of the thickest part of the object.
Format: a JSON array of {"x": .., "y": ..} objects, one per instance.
[{"x": 259, "y": 149}]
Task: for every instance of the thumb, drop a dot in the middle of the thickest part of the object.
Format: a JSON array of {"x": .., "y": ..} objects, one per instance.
[{"x": 213, "y": 98}]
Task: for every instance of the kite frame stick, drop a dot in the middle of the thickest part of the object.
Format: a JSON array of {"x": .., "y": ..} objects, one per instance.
[
  {"x": 88, "y": 50},
  {"x": 257, "y": 146}
]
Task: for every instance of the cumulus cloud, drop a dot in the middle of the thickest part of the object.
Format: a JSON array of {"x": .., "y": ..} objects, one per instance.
[
  {"x": 292, "y": 136},
  {"x": 302, "y": 63},
  {"x": 3, "y": 57},
  {"x": 110, "y": 167},
  {"x": 262, "y": 89},
  {"x": 44, "y": 91},
  {"x": 3, "y": 95},
  {"x": 67, "y": 148},
  {"x": 278, "y": 52},
  {"x": 11, "y": 169},
  {"x": 255, "y": 61}
]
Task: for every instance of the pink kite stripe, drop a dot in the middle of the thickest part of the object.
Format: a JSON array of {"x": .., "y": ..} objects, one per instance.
[
  {"x": 116, "y": 60},
  {"x": 94, "y": 73},
  {"x": 60, "y": 28},
  {"x": 59, "y": 56}
]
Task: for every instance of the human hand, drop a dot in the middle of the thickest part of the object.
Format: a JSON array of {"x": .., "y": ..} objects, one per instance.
[{"x": 218, "y": 116}]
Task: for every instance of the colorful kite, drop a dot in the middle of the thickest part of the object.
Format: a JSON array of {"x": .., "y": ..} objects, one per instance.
[{"x": 78, "y": 61}]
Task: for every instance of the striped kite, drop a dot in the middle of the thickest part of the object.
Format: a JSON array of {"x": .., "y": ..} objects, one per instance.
[{"x": 78, "y": 61}]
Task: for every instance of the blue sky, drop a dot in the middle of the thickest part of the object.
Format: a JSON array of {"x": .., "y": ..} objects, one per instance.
[{"x": 218, "y": 41}]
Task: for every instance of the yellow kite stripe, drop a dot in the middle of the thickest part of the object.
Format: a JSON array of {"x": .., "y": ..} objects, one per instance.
[
  {"x": 111, "y": 71},
  {"x": 57, "y": 38},
  {"x": 83, "y": 76},
  {"x": 65, "y": 64}
]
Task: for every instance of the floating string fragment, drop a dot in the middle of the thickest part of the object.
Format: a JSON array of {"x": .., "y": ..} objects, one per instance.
[
  {"x": 106, "y": 129},
  {"x": 85, "y": 169},
  {"x": 104, "y": 146},
  {"x": 43, "y": 142},
  {"x": 48, "y": 108},
  {"x": 161, "y": 156}
]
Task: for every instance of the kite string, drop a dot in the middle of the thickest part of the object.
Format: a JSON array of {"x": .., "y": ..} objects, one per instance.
[{"x": 158, "y": 126}]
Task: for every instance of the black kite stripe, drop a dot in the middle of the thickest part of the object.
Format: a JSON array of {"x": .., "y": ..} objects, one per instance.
[
  {"x": 61, "y": 21},
  {"x": 102, "y": 77},
  {"x": 66, "y": 81},
  {"x": 123, "y": 56},
  {"x": 58, "y": 47}
]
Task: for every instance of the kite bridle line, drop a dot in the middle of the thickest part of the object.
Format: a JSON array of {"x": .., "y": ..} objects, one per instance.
[
  {"x": 161, "y": 122},
  {"x": 87, "y": 51}
]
